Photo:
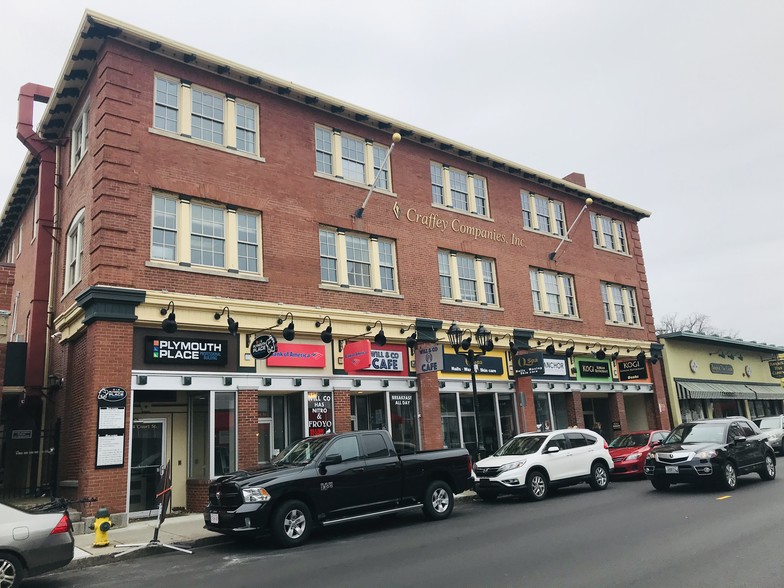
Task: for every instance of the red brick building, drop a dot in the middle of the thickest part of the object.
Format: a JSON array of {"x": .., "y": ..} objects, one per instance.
[{"x": 176, "y": 188}]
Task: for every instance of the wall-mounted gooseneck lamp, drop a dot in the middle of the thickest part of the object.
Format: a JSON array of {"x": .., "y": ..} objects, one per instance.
[
  {"x": 288, "y": 332},
  {"x": 512, "y": 345},
  {"x": 411, "y": 340},
  {"x": 550, "y": 349},
  {"x": 614, "y": 354},
  {"x": 569, "y": 351},
  {"x": 380, "y": 338},
  {"x": 600, "y": 353},
  {"x": 326, "y": 334},
  {"x": 169, "y": 324},
  {"x": 234, "y": 326},
  {"x": 641, "y": 355}
]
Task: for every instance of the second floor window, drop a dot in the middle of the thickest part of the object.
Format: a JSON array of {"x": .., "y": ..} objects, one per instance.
[
  {"x": 208, "y": 116},
  {"x": 553, "y": 293},
  {"x": 467, "y": 278},
  {"x": 345, "y": 156},
  {"x": 620, "y": 304},
  {"x": 79, "y": 139},
  {"x": 608, "y": 233},
  {"x": 542, "y": 214},
  {"x": 459, "y": 190},
  {"x": 357, "y": 260},
  {"x": 192, "y": 233},
  {"x": 73, "y": 251}
]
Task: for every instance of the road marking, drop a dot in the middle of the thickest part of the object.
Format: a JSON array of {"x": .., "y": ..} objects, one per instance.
[{"x": 723, "y": 497}]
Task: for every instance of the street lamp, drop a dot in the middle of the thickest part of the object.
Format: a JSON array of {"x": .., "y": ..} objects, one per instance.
[{"x": 484, "y": 339}]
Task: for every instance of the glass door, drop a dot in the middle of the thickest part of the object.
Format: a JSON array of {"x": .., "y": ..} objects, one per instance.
[
  {"x": 148, "y": 455},
  {"x": 265, "y": 440}
]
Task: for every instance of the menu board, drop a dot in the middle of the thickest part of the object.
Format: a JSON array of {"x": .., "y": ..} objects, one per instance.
[
  {"x": 110, "y": 444},
  {"x": 320, "y": 413}
]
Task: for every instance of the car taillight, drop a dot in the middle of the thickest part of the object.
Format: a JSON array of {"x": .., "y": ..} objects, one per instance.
[
  {"x": 470, "y": 466},
  {"x": 605, "y": 445},
  {"x": 63, "y": 526}
]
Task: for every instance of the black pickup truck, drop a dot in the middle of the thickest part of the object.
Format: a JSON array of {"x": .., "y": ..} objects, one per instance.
[{"x": 331, "y": 479}]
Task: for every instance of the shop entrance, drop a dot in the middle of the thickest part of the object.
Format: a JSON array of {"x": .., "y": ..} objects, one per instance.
[
  {"x": 148, "y": 455},
  {"x": 393, "y": 411},
  {"x": 368, "y": 411},
  {"x": 281, "y": 422}
]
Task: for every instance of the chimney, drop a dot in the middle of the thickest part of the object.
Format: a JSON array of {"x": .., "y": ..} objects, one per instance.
[{"x": 576, "y": 178}]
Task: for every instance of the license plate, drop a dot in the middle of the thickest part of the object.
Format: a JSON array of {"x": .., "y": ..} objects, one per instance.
[
  {"x": 670, "y": 469},
  {"x": 214, "y": 518}
]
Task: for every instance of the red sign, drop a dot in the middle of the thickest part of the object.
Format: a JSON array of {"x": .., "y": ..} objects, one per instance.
[
  {"x": 298, "y": 355},
  {"x": 392, "y": 360},
  {"x": 356, "y": 355}
]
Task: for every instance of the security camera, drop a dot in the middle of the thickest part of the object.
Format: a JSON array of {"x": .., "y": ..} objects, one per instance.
[{"x": 57, "y": 335}]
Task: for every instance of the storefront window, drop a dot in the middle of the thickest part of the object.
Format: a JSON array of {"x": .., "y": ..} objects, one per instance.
[
  {"x": 449, "y": 423},
  {"x": 489, "y": 424},
  {"x": 296, "y": 416},
  {"x": 402, "y": 409},
  {"x": 725, "y": 408},
  {"x": 560, "y": 417},
  {"x": 692, "y": 410},
  {"x": 199, "y": 431},
  {"x": 542, "y": 409},
  {"x": 506, "y": 413},
  {"x": 370, "y": 412},
  {"x": 225, "y": 438},
  {"x": 469, "y": 424}
]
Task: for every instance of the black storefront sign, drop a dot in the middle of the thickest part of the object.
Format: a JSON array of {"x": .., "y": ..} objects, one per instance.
[
  {"x": 185, "y": 351},
  {"x": 264, "y": 346},
  {"x": 722, "y": 368},
  {"x": 485, "y": 366},
  {"x": 319, "y": 413},
  {"x": 632, "y": 369},
  {"x": 776, "y": 368},
  {"x": 528, "y": 364},
  {"x": 594, "y": 369}
]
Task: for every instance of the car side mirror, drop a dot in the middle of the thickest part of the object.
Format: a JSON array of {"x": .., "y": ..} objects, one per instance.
[
  {"x": 739, "y": 440},
  {"x": 331, "y": 459},
  {"x": 553, "y": 449},
  {"x": 657, "y": 443}
]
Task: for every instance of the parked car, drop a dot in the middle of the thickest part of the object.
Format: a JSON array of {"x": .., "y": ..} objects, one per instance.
[
  {"x": 32, "y": 543},
  {"x": 331, "y": 479},
  {"x": 711, "y": 451},
  {"x": 773, "y": 427},
  {"x": 532, "y": 463},
  {"x": 629, "y": 451}
]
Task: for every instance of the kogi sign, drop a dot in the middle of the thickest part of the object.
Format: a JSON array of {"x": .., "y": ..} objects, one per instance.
[
  {"x": 597, "y": 370},
  {"x": 632, "y": 369},
  {"x": 185, "y": 351}
]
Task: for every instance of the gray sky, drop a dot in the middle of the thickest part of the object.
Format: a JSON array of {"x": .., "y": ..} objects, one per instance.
[{"x": 673, "y": 106}]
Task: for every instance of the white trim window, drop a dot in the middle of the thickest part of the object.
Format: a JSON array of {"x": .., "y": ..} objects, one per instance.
[
  {"x": 350, "y": 158},
  {"x": 553, "y": 293},
  {"x": 205, "y": 115},
  {"x": 608, "y": 233},
  {"x": 357, "y": 261},
  {"x": 620, "y": 304},
  {"x": 74, "y": 250},
  {"x": 79, "y": 139},
  {"x": 458, "y": 190},
  {"x": 467, "y": 278},
  {"x": 543, "y": 214},
  {"x": 187, "y": 233}
]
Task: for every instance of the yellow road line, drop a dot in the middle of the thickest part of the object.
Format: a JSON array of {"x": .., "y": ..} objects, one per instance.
[{"x": 723, "y": 497}]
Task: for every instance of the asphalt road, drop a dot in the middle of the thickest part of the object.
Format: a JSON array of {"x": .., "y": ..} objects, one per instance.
[{"x": 627, "y": 536}]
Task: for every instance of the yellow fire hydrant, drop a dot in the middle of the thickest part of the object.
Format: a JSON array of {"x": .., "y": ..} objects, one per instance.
[{"x": 102, "y": 524}]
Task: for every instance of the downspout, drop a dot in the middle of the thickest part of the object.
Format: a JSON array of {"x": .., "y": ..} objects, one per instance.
[{"x": 45, "y": 152}]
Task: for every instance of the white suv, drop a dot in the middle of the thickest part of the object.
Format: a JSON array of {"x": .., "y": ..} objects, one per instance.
[{"x": 531, "y": 463}]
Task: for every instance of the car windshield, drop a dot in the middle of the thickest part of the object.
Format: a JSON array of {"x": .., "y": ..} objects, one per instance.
[
  {"x": 630, "y": 440},
  {"x": 522, "y": 445},
  {"x": 698, "y": 433},
  {"x": 768, "y": 423},
  {"x": 302, "y": 452}
]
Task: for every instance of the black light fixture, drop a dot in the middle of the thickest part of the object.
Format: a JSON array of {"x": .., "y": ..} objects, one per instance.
[
  {"x": 641, "y": 355},
  {"x": 326, "y": 334},
  {"x": 614, "y": 354},
  {"x": 550, "y": 349},
  {"x": 600, "y": 354},
  {"x": 411, "y": 340},
  {"x": 169, "y": 324},
  {"x": 569, "y": 351},
  {"x": 380, "y": 338},
  {"x": 288, "y": 332},
  {"x": 234, "y": 326},
  {"x": 512, "y": 345}
]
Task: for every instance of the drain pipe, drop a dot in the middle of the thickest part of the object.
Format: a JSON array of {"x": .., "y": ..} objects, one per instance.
[{"x": 46, "y": 153}]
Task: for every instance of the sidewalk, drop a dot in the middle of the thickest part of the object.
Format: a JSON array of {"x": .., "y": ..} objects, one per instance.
[{"x": 182, "y": 531}]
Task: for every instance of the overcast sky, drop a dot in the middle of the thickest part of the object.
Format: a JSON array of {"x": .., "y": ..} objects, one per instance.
[{"x": 676, "y": 106}]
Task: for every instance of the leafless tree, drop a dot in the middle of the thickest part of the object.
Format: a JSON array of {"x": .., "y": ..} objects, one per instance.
[{"x": 696, "y": 322}]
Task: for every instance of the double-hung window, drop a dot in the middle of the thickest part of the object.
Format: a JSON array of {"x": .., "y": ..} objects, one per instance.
[
  {"x": 458, "y": 190},
  {"x": 608, "y": 233},
  {"x": 205, "y": 115},
  {"x": 190, "y": 233},
  {"x": 357, "y": 261},
  {"x": 467, "y": 278},
  {"x": 553, "y": 293},
  {"x": 542, "y": 214},
  {"x": 73, "y": 251},
  {"x": 620, "y": 304},
  {"x": 344, "y": 156},
  {"x": 79, "y": 138}
]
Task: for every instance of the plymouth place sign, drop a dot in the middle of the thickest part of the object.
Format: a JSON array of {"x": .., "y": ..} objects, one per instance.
[{"x": 183, "y": 350}]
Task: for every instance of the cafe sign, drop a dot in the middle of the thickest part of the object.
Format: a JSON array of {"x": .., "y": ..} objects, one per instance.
[
  {"x": 776, "y": 368},
  {"x": 429, "y": 359}
]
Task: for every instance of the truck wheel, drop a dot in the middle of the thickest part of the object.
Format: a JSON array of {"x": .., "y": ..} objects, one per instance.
[
  {"x": 11, "y": 572},
  {"x": 769, "y": 471},
  {"x": 291, "y": 524},
  {"x": 660, "y": 484},
  {"x": 487, "y": 495},
  {"x": 600, "y": 477},
  {"x": 536, "y": 485},
  {"x": 439, "y": 501},
  {"x": 729, "y": 476}
]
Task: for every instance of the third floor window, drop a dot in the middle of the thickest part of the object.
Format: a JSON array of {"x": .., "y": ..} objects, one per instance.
[
  {"x": 345, "y": 156},
  {"x": 608, "y": 233},
  {"x": 542, "y": 214},
  {"x": 459, "y": 190}
]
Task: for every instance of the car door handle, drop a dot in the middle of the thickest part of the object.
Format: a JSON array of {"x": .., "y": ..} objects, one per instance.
[{"x": 391, "y": 466}]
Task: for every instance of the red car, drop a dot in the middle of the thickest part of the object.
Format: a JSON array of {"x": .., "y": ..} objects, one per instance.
[{"x": 629, "y": 451}]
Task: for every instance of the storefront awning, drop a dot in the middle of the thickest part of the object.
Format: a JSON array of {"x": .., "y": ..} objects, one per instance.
[
  {"x": 714, "y": 391},
  {"x": 767, "y": 391}
]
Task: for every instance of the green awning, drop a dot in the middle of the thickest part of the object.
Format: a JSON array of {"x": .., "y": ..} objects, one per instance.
[
  {"x": 714, "y": 391},
  {"x": 767, "y": 391}
]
